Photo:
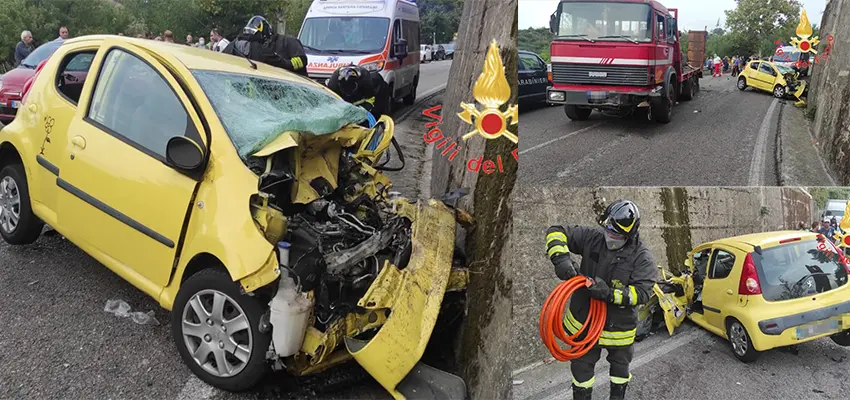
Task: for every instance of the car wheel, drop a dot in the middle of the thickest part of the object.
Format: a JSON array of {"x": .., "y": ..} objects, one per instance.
[
  {"x": 411, "y": 97},
  {"x": 742, "y": 83},
  {"x": 577, "y": 113},
  {"x": 216, "y": 330},
  {"x": 18, "y": 224},
  {"x": 742, "y": 345},
  {"x": 841, "y": 338},
  {"x": 390, "y": 100},
  {"x": 779, "y": 92}
]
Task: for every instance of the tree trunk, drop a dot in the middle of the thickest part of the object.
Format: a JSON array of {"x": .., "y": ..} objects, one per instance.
[{"x": 486, "y": 336}]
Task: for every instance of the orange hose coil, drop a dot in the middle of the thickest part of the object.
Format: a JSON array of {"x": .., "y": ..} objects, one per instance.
[{"x": 552, "y": 321}]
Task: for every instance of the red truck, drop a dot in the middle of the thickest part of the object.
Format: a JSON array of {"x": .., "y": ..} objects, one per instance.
[{"x": 621, "y": 55}]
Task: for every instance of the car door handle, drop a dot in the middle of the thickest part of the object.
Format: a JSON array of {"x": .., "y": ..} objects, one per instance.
[
  {"x": 79, "y": 142},
  {"x": 729, "y": 292}
]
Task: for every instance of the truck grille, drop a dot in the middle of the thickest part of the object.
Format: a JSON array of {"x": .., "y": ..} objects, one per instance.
[{"x": 580, "y": 74}]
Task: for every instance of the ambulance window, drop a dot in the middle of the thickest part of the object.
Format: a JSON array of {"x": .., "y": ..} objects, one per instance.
[{"x": 411, "y": 33}]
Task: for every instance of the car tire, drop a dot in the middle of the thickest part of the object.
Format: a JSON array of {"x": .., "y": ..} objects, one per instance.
[
  {"x": 740, "y": 341},
  {"x": 411, "y": 97},
  {"x": 577, "y": 113},
  {"x": 18, "y": 224},
  {"x": 841, "y": 338},
  {"x": 742, "y": 83},
  {"x": 202, "y": 289},
  {"x": 779, "y": 92}
]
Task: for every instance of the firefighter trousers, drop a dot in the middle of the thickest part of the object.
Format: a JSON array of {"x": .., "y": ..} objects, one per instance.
[{"x": 583, "y": 367}]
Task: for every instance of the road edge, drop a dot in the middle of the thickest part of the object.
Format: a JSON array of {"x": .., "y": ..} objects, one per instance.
[{"x": 428, "y": 95}]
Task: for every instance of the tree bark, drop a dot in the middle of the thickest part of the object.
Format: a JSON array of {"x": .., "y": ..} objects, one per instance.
[{"x": 486, "y": 334}]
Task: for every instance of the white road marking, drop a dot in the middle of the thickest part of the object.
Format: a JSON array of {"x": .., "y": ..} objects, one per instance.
[
  {"x": 548, "y": 142},
  {"x": 196, "y": 389},
  {"x": 757, "y": 163},
  {"x": 559, "y": 385}
]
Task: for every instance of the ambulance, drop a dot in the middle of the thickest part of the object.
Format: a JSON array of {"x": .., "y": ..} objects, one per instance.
[{"x": 380, "y": 35}]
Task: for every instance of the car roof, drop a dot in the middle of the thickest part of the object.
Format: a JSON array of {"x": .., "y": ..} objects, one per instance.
[
  {"x": 195, "y": 58},
  {"x": 763, "y": 239}
]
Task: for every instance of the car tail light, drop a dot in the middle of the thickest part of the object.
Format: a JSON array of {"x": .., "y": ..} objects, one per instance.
[
  {"x": 29, "y": 82},
  {"x": 749, "y": 283}
]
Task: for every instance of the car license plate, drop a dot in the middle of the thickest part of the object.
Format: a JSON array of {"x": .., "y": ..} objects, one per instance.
[
  {"x": 16, "y": 104},
  {"x": 597, "y": 95},
  {"x": 818, "y": 328}
]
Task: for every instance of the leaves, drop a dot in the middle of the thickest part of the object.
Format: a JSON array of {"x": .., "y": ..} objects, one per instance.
[
  {"x": 440, "y": 20},
  {"x": 756, "y": 24},
  {"x": 536, "y": 40}
]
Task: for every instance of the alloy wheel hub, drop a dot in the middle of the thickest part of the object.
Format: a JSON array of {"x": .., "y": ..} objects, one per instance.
[{"x": 217, "y": 333}]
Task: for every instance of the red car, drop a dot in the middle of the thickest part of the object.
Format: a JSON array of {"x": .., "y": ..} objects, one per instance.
[{"x": 12, "y": 82}]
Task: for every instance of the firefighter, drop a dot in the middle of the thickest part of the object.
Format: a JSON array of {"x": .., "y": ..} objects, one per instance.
[
  {"x": 623, "y": 274},
  {"x": 358, "y": 86},
  {"x": 259, "y": 42}
]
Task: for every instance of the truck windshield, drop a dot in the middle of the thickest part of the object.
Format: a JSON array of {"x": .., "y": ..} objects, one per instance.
[
  {"x": 799, "y": 269},
  {"x": 604, "y": 21},
  {"x": 344, "y": 35}
]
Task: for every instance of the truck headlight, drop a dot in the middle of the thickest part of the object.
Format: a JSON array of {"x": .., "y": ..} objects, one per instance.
[{"x": 557, "y": 96}]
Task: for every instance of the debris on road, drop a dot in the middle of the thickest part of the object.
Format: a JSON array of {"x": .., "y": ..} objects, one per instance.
[
  {"x": 33, "y": 282},
  {"x": 120, "y": 308},
  {"x": 838, "y": 358},
  {"x": 518, "y": 381}
]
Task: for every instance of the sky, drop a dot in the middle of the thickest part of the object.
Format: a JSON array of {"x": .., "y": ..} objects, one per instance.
[{"x": 693, "y": 14}]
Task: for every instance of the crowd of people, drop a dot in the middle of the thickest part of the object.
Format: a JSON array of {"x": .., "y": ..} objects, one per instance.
[
  {"x": 827, "y": 228},
  {"x": 719, "y": 66}
]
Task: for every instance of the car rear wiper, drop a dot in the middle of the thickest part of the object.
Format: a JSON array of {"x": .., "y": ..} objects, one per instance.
[
  {"x": 581, "y": 35},
  {"x": 620, "y": 37}
]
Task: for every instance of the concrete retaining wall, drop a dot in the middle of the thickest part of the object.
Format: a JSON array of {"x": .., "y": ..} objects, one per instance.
[{"x": 673, "y": 221}]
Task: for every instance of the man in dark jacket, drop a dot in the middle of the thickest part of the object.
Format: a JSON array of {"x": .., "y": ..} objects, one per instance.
[
  {"x": 623, "y": 274},
  {"x": 24, "y": 47},
  {"x": 259, "y": 42}
]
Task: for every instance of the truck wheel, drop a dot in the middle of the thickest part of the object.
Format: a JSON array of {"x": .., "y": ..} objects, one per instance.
[
  {"x": 688, "y": 89},
  {"x": 779, "y": 92},
  {"x": 742, "y": 83},
  {"x": 577, "y": 113},
  {"x": 742, "y": 344},
  {"x": 662, "y": 108},
  {"x": 841, "y": 338}
]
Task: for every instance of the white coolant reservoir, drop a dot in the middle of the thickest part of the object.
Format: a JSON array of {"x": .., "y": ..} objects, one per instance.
[{"x": 290, "y": 313}]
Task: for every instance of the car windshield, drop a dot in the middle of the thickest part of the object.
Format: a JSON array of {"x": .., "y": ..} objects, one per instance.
[
  {"x": 41, "y": 53},
  {"x": 604, "y": 20},
  {"x": 340, "y": 35},
  {"x": 783, "y": 69},
  {"x": 256, "y": 110},
  {"x": 799, "y": 269}
]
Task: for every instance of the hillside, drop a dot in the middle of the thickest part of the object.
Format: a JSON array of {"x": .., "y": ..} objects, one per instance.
[{"x": 536, "y": 40}]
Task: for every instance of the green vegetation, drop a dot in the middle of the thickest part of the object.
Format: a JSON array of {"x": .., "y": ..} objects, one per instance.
[
  {"x": 196, "y": 17},
  {"x": 821, "y": 194},
  {"x": 536, "y": 40}
]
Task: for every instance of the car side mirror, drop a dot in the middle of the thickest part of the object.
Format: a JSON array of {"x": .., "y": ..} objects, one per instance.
[
  {"x": 553, "y": 23},
  {"x": 184, "y": 153},
  {"x": 400, "y": 49}
]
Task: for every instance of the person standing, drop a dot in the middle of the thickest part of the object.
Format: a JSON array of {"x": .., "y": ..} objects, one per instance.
[
  {"x": 190, "y": 41},
  {"x": 717, "y": 64},
  {"x": 168, "y": 36},
  {"x": 259, "y": 42},
  {"x": 63, "y": 33},
  {"x": 219, "y": 42},
  {"x": 24, "y": 47},
  {"x": 622, "y": 273},
  {"x": 827, "y": 231}
]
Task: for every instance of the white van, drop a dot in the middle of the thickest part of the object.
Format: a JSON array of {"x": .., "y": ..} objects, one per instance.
[
  {"x": 834, "y": 208},
  {"x": 381, "y": 35},
  {"x": 789, "y": 57}
]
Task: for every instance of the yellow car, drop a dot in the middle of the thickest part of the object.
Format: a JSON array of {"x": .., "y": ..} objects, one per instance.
[
  {"x": 763, "y": 291},
  {"x": 769, "y": 77},
  {"x": 247, "y": 200}
]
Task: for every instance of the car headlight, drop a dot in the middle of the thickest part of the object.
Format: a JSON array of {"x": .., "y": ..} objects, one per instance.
[
  {"x": 374, "y": 65},
  {"x": 557, "y": 96}
]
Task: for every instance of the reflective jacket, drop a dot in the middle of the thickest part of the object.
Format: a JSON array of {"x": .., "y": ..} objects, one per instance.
[
  {"x": 630, "y": 272},
  {"x": 287, "y": 52}
]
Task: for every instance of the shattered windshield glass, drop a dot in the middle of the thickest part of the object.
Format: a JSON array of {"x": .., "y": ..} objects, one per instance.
[
  {"x": 799, "y": 269},
  {"x": 255, "y": 110}
]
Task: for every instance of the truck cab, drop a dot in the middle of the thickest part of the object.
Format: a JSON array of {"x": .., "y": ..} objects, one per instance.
[{"x": 618, "y": 55}]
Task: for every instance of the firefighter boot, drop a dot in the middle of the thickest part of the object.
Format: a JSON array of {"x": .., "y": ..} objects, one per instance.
[
  {"x": 618, "y": 391},
  {"x": 580, "y": 393}
]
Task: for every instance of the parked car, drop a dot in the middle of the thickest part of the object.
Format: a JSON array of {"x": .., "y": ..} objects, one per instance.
[
  {"x": 533, "y": 78},
  {"x": 425, "y": 53},
  {"x": 271, "y": 244},
  {"x": 769, "y": 77},
  {"x": 763, "y": 291},
  {"x": 12, "y": 82},
  {"x": 450, "y": 50}
]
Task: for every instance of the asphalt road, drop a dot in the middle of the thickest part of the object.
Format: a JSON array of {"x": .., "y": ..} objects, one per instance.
[
  {"x": 433, "y": 76},
  {"x": 724, "y": 137},
  {"x": 60, "y": 343},
  {"x": 695, "y": 364}
]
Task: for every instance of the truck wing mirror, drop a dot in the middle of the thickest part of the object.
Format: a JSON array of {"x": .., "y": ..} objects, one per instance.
[{"x": 553, "y": 23}]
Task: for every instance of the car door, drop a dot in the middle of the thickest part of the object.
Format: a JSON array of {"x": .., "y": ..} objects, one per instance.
[
  {"x": 122, "y": 202},
  {"x": 767, "y": 73},
  {"x": 720, "y": 290},
  {"x": 754, "y": 77},
  {"x": 533, "y": 78}
]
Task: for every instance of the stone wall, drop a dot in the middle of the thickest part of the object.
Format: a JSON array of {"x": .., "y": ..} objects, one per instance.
[
  {"x": 830, "y": 91},
  {"x": 673, "y": 221}
]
